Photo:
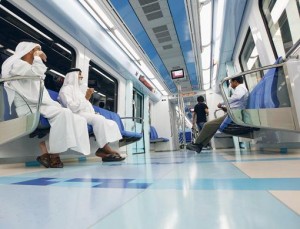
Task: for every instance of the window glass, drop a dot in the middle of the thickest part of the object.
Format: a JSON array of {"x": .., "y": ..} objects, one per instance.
[
  {"x": 106, "y": 88},
  {"x": 282, "y": 17},
  {"x": 249, "y": 59},
  {"x": 16, "y": 26}
]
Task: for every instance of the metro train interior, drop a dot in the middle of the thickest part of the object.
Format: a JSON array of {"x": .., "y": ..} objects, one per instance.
[{"x": 148, "y": 62}]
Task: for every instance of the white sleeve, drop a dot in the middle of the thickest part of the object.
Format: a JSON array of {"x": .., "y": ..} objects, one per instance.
[
  {"x": 237, "y": 95},
  {"x": 22, "y": 68},
  {"x": 66, "y": 98}
]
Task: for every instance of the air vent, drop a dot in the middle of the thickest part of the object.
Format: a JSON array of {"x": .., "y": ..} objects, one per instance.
[
  {"x": 145, "y": 2},
  {"x": 153, "y": 16},
  {"x": 165, "y": 39},
  {"x": 162, "y": 34},
  {"x": 151, "y": 8},
  {"x": 167, "y": 47},
  {"x": 160, "y": 29}
]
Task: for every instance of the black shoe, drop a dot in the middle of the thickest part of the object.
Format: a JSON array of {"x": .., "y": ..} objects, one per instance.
[{"x": 195, "y": 147}]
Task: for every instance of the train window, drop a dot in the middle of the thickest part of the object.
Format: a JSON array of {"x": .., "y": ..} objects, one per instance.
[
  {"x": 282, "y": 19},
  {"x": 16, "y": 26},
  {"x": 106, "y": 87},
  {"x": 249, "y": 59},
  {"x": 137, "y": 107}
]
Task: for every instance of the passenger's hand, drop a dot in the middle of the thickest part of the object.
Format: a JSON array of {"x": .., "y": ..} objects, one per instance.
[
  {"x": 89, "y": 93},
  {"x": 41, "y": 54}
]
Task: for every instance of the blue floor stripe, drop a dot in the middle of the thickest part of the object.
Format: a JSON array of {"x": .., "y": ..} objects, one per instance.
[{"x": 179, "y": 184}]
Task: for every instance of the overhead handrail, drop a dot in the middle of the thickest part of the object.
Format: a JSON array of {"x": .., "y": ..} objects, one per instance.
[
  {"x": 36, "y": 116},
  {"x": 249, "y": 72}
]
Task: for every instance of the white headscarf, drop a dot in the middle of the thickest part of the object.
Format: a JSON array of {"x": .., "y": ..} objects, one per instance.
[
  {"x": 28, "y": 89},
  {"x": 73, "y": 89},
  {"x": 71, "y": 79},
  {"x": 21, "y": 50}
]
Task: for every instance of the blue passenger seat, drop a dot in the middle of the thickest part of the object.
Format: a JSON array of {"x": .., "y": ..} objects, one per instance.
[
  {"x": 127, "y": 136},
  {"x": 263, "y": 96},
  {"x": 154, "y": 136}
]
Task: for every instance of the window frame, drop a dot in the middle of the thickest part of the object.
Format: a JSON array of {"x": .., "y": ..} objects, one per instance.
[
  {"x": 54, "y": 45},
  {"x": 93, "y": 64},
  {"x": 248, "y": 33},
  {"x": 260, "y": 6}
]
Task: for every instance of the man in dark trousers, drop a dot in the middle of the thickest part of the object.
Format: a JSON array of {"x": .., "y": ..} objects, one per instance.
[
  {"x": 238, "y": 100},
  {"x": 200, "y": 115}
]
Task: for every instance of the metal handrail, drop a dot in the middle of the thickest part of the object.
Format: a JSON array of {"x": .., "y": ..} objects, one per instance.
[
  {"x": 229, "y": 110},
  {"x": 14, "y": 78},
  {"x": 251, "y": 71},
  {"x": 215, "y": 113}
]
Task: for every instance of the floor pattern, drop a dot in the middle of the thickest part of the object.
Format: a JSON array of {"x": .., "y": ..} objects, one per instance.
[{"x": 215, "y": 189}]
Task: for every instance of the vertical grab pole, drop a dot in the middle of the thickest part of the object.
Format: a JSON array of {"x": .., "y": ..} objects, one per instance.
[{"x": 181, "y": 114}]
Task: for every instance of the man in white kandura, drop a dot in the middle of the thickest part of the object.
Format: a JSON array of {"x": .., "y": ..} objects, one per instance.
[
  {"x": 105, "y": 130},
  {"x": 68, "y": 131}
]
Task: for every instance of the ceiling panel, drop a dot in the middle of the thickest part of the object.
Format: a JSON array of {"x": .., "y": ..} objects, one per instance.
[{"x": 169, "y": 37}]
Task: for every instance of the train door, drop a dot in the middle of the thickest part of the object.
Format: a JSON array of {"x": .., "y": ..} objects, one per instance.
[{"x": 138, "y": 112}]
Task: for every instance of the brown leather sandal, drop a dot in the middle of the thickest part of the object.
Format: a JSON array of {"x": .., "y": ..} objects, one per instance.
[
  {"x": 101, "y": 153},
  {"x": 112, "y": 157},
  {"x": 55, "y": 162},
  {"x": 44, "y": 160}
]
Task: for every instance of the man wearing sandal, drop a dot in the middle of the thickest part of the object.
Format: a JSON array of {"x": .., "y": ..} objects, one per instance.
[
  {"x": 68, "y": 131},
  {"x": 105, "y": 130}
]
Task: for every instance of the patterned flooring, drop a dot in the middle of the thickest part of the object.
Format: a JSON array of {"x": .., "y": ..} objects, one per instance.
[{"x": 224, "y": 189}]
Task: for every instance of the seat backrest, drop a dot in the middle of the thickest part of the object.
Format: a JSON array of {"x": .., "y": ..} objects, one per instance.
[
  {"x": 110, "y": 115},
  {"x": 153, "y": 133},
  {"x": 264, "y": 95},
  {"x": 53, "y": 94},
  {"x": 118, "y": 120}
]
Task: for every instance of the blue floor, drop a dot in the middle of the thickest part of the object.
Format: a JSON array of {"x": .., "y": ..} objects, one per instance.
[{"x": 163, "y": 190}]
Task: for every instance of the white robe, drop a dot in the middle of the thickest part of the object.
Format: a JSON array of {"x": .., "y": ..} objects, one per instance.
[
  {"x": 68, "y": 131},
  {"x": 72, "y": 97}
]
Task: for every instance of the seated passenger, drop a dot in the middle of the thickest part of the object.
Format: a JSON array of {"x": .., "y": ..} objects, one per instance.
[
  {"x": 238, "y": 100},
  {"x": 68, "y": 131},
  {"x": 105, "y": 131}
]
